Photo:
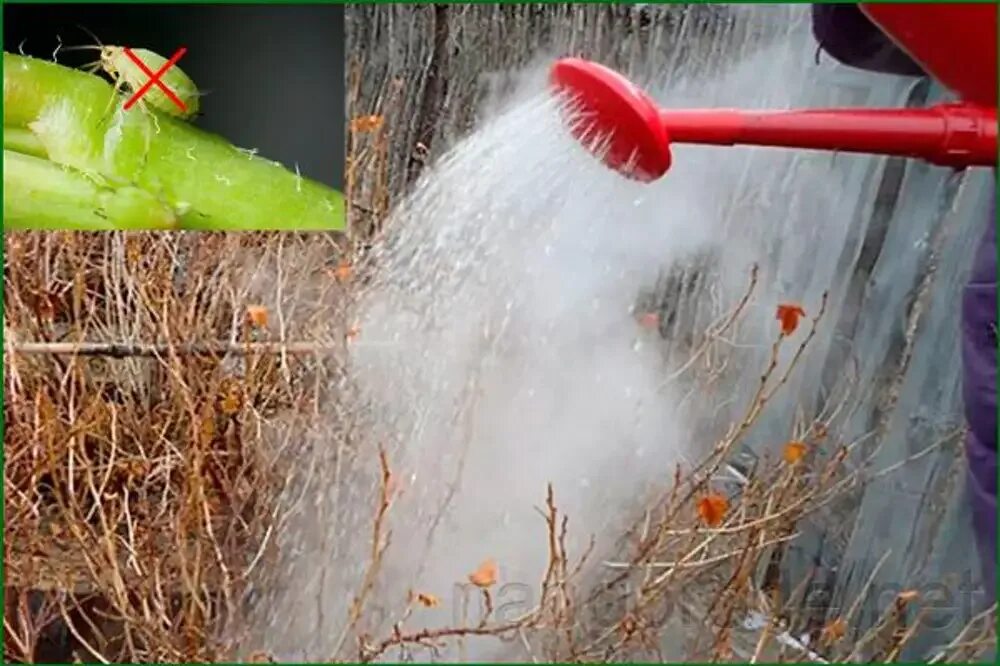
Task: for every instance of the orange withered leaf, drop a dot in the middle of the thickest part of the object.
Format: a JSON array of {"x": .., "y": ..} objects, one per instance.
[
  {"x": 366, "y": 123},
  {"x": 257, "y": 314},
  {"x": 427, "y": 600},
  {"x": 712, "y": 509},
  {"x": 231, "y": 403},
  {"x": 788, "y": 315},
  {"x": 628, "y": 625},
  {"x": 834, "y": 630},
  {"x": 793, "y": 452},
  {"x": 650, "y": 320},
  {"x": 906, "y": 596},
  {"x": 486, "y": 575},
  {"x": 343, "y": 271}
]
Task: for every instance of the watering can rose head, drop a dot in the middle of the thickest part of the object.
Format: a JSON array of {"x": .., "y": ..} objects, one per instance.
[
  {"x": 631, "y": 135},
  {"x": 610, "y": 107}
]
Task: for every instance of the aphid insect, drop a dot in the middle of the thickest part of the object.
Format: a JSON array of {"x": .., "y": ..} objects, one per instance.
[{"x": 127, "y": 75}]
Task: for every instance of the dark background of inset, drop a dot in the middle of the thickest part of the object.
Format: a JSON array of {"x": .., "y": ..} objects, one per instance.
[{"x": 273, "y": 74}]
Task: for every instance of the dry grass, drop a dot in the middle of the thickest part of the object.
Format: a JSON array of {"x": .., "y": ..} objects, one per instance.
[{"x": 138, "y": 498}]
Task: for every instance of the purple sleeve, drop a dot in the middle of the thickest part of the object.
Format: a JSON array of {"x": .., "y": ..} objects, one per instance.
[
  {"x": 848, "y": 36},
  {"x": 979, "y": 367}
]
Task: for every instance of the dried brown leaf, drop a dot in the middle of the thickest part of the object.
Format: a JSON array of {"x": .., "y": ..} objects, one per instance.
[
  {"x": 486, "y": 575},
  {"x": 712, "y": 509},
  {"x": 789, "y": 314},
  {"x": 650, "y": 321},
  {"x": 363, "y": 124},
  {"x": 257, "y": 315},
  {"x": 834, "y": 630},
  {"x": 427, "y": 600},
  {"x": 793, "y": 452}
]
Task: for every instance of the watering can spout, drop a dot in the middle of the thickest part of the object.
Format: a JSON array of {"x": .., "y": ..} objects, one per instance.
[
  {"x": 954, "y": 135},
  {"x": 638, "y": 134}
]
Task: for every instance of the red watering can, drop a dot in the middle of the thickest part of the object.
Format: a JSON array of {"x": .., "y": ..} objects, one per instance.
[{"x": 955, "y": 43}]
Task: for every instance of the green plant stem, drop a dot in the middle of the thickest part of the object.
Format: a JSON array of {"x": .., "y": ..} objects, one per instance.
[
  {"x": 38, "y": 194},
  {"x": 23, "y": 141},
  {"x": 209, "y": 183}
]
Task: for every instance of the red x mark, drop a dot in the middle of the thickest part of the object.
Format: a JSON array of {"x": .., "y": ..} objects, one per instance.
[{"x": 154, "y": 77}]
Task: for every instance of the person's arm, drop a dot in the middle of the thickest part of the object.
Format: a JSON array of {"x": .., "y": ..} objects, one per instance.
[{"x": 848, "y": 36}]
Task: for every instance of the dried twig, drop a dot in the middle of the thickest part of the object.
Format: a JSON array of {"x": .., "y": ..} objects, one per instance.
[{"x": 130, "y": 350}]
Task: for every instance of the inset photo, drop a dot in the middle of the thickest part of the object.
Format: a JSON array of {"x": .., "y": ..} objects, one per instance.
[{"x": 173, "y": 117}]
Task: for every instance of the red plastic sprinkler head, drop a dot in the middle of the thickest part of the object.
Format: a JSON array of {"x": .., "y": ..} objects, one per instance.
[
  {"x": 610, "y": 106},
  {"x": 639, "y": 134}
]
